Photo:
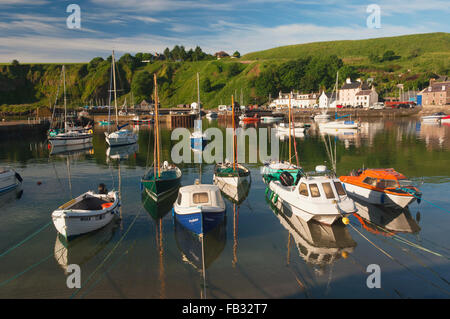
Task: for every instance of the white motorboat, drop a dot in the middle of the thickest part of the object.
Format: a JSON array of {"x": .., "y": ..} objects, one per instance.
[
  {"x": 434, "y": 118},
  {"x": 86, "y": 213},
  {"x": 323, "y": 117},
  {"x": 317, "y": 196},
  {"x": 271, "y": 119},
  {"x": 9, "y": 179},
  {"x": 296, "y": 129},
  {"x": 211, "y": 115},
  {"x": 120, "y": 137},
  {"x": 339, "y": 125},
  {"x": 199, "y": 207}
]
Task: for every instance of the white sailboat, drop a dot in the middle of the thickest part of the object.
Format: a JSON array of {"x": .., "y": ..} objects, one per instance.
[
  {"x": 122, "y": 136},
  {"x": 70, "y": 135},
  {"x": 198, "y": 138}
]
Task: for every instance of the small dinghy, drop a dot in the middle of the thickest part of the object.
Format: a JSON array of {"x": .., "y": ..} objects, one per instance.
[
  {"x": 317, "y": 196},
  {"x": 226, "y": 173},
  {"x": 381, "y": 186},
  {"x": 9, "y": 179},
  {"x": 167, "y": 179},
  {"x": 199, "y": 207},
  {"x": 86, "y": 213},
  {"x": 296, "y": 129}
]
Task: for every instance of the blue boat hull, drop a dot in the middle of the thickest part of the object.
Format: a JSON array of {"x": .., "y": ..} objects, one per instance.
[{"x": 193, "y": 222}]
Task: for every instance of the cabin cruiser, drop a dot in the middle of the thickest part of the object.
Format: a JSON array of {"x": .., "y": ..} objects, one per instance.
[
  {"x": 317, "y": 196},
  {"x": 381, "y": 186},
  {"x": 199, "y": 207}
]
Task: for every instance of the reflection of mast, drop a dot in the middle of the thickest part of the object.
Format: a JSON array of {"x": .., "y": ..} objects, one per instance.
[
  {"x": 120, "y": 197},
  {"x": 235, "y": 232},
  {"x": 160, "y": 247},
  {"x": 70, "y": 180}
]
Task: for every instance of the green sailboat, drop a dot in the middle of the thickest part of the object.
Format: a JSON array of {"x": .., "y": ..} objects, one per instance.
[{"x": 160, "y": 180}]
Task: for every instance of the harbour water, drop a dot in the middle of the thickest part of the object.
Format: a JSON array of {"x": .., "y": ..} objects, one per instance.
[{"x": 257, "y": 252}]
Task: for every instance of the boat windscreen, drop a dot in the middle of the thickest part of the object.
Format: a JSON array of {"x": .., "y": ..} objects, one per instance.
[{"x": 405, "y": 183}]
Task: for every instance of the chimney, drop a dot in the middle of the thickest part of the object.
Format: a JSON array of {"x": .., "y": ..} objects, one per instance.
[{"x": 348, "y": 81}]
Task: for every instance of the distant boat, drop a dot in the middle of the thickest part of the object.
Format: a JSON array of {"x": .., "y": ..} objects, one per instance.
[
  {"x": 122, "y": 136},
  {"x": 69, "y": 135},
  {"x": 271, "y": 119},
  {"x": 9, "y": 179},
  {"x": 199, "y": 207},
  {"x": 105, "y": 122},
  {"x": 296, "y": 128},
  {"x": 322, "y": 117},
  {"x": 434, "y": 118},
  {"x": 339, "y": 125},
  {"x": 198, "y": 139},
  {"x": 445, "y": 119},
  {"x": 253, "y": 119},
  {"x": 211, "y": 115}
]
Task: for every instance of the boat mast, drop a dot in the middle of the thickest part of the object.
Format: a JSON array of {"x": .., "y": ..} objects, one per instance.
[
  {"x": 115, "y": 91},
  {"x": 234, "y": 133},
  {"x": 290, "y": 142},
  {"x": 198, "y": 96},
  {"x": 65, "y": 99},
  {"x": 156, "y": 128}
]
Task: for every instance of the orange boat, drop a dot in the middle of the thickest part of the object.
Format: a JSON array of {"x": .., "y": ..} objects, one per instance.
[
  {"x": 253, "y": 119},
  {"x": 381, "y": 186}
]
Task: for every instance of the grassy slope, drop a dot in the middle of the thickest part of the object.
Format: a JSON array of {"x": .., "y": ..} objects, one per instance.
[{"x": 434, "y": 56}]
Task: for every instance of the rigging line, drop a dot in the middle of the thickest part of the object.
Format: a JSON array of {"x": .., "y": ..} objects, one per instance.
[
  {"x": 25, "y": 240},
  {"x": 29, "y": 268},
  {"x": 419, "y": 261},
  {"x": 401, "y": 264},
  {"x": 109, "y": 254}
]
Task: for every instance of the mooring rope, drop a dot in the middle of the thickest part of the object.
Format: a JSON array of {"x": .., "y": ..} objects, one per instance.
[
  {"x": 413, "y": 193},
  {"x": 24, "y": 240}
]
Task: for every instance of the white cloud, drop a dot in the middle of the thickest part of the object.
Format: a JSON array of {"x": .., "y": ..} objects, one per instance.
[{"x": 243, "y": 38}]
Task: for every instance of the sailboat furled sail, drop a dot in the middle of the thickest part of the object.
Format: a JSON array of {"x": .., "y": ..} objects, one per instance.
[
  {"x": 160, "y": 181},
  {"x": 122, "y": 136}
]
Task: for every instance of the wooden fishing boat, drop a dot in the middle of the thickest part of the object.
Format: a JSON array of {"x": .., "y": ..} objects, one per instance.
[
  {"x": 381, "y": 186},
  {"x": 233, "y": 174},
  {"x": 317, "y": 196},
  {"x": 9, "y": 179},
  {"x": 160, "y": 180},
  {"x": 199, "y": 207},
  {"x": 85, "y": 213}
]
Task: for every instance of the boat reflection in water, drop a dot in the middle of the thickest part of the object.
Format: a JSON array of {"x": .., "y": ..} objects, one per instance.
[
  {"x": 317, "y": 244},
  {"x": 83, "y": 248},
  {"x": 158, "y": 210},
  {"x": 9, "y": 196},
  {"x": 385, "y": 221},
  {"x": 235, "y": 194},
  {"x": 122, "y": 152},
  {"x": 201, "y": 250}
]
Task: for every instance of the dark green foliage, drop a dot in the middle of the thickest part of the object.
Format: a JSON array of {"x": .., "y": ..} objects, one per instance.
[
  {"x": 389, "y": 56},
  {"x": 142, "y": 86},
  {"x": 206, "y": 85}
]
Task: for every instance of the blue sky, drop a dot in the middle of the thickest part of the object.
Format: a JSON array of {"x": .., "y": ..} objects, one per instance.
[{"x": 36, "y": 31}]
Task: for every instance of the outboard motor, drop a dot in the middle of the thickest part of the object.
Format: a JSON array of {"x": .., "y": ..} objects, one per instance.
[
  {"x": 286, "y": 179},
  {"x": 102, "y": 189}
]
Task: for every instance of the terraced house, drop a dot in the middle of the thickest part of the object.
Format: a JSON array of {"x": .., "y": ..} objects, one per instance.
[
  {"x": 437, "y": 93},
  {"x": 357, "y": 93}
]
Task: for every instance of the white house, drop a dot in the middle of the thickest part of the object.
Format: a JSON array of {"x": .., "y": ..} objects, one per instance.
[
  {"x": 357, "y": 93},
  {"x": 366, "y": 98},
  {"x": 298, "y": 100},
  {"x": 327, "y": 100}
]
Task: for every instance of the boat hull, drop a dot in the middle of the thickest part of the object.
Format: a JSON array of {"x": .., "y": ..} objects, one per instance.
[
  {"x": 66, "y": 141},
  {"x": 160, "y": 188},
  {"x": 8, "y": 181},
  {"x": 200, "y": 222},
  {"x": 378, "y": 198},
  {"x": 114, "y": 139}
]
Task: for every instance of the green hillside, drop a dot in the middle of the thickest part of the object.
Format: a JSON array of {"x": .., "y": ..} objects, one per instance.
[{"x": 410, "y": 60}]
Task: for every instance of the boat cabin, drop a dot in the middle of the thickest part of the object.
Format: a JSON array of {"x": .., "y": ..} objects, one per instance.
[
  {"x": 200, "y": 195},
  {"x": 320, "y": 187},
  {"x": 379, "y": 178}
]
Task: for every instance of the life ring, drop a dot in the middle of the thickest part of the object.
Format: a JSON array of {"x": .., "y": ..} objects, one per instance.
[{"x": 90, "y": 131}]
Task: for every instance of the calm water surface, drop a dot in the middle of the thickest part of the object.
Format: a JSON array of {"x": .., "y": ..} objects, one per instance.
[{"x": 257, "y": 252}]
